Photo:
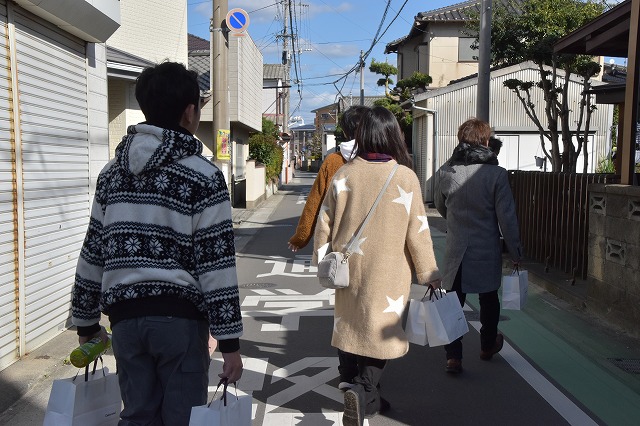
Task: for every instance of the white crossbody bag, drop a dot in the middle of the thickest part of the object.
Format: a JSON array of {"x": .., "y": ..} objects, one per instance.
[{"x": 333, "y": 269}]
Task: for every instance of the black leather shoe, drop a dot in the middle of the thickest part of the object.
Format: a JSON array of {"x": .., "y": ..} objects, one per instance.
[{"x": 487, "y": 355}]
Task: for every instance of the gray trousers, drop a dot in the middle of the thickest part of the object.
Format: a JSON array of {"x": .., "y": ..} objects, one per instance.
[{"x": 163, "y": 366}]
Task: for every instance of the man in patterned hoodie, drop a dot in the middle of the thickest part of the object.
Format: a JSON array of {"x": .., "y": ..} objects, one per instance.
[{"x": 159, "y": 257}]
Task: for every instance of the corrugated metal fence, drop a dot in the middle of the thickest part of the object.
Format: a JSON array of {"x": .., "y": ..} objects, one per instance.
[{"x": 553, "y": 212}]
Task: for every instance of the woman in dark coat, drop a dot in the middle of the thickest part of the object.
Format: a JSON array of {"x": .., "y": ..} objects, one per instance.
[{"x": 473, "y": 194}]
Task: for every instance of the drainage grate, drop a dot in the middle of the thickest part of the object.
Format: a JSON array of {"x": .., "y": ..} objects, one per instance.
[
  {"x": 628, "y": 365},
  {"x": 257, "y": 285},
  {"x": 475, "y": 316}
]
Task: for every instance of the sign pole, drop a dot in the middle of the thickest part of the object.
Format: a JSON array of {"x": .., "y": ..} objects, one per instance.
[{"x": 220, "y": 86}]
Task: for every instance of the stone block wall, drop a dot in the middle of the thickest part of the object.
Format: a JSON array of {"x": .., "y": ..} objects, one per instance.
[{"x": 614, "y": 254}]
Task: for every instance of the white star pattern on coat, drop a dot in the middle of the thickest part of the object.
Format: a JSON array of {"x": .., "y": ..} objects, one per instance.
[
  {"x": 322, "y": 251},
  {"x": 425, "y": 223},
  {"x": 356, "y": 246},
  {"x": 336, "y": 320},
  {"x": 323, "y": 209},
  {"x": 396, "y": 306},
  {"x": 340, "y": 185},
  {"x": 404, "y": 199}
]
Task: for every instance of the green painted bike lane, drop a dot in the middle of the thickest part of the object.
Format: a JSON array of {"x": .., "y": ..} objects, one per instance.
[{"x": 572, "y": 351}]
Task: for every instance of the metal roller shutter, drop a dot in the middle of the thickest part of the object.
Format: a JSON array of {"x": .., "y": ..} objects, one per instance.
[{"x": 52, "y": 84}]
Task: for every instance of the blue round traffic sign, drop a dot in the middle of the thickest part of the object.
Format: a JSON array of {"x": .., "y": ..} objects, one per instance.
[{"x": 237, "y": 20}]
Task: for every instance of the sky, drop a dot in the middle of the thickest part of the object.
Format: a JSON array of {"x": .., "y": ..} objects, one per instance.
[{"x": 330, "y": 36}]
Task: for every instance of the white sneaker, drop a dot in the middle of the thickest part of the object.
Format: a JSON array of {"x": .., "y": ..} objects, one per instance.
[{"x": 345, "y": 386}]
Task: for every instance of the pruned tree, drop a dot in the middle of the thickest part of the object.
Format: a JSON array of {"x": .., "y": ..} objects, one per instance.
[
  {"x": 530, "y": 35},
  {"x": 387, "y": 70}
]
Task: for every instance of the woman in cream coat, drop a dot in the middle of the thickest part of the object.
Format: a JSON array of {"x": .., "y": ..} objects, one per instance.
[{"x": 368, "y": 313}]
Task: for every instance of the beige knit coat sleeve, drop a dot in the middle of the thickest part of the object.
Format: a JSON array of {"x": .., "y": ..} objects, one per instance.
[{"x": 418, "y": 239}]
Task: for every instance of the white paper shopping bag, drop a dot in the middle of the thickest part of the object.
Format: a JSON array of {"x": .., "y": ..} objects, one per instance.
[
  {"x": 228, "y": 410},
  {"x": 76, "y": 402},
  {"x": 416, "y": 328},
  {"x": 515, "y": 289},
  {"x": 445, "y": 320}
]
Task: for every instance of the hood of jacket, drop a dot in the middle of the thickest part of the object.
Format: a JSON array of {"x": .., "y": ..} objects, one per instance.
[
  {"x": 347, "y": 148},
  {"x": 465, "y": 154},
  {"x": 147, "y": 147}
]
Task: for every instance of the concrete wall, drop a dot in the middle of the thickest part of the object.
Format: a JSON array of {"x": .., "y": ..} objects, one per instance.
[
  {"x": 614, "y": 254},
  {"x": 256, "y": 176},
  {"x": 153, "y": 30}
]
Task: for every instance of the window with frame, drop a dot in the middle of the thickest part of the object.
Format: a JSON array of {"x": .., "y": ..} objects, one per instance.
[{"x": 465, "y": 52}]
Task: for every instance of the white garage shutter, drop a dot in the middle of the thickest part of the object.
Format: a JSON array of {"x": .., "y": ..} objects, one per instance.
[
  {"x": 52, "y": 83},
  {"x": 8, "y": 261}
]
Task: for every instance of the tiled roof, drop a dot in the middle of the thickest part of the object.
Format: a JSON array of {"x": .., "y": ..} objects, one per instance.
[
  {"x": 459, "y": 12},
  {"x": 197, "y": 43},
  {"x": 275, "y": 72},
  {"x": 368, "y": 101},
  {"x": 199, "y": 62},
  {"x": 122, "y": 57}
]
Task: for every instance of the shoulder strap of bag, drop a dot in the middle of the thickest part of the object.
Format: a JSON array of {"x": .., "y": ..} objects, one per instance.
[{"x": 366, "y": 219}]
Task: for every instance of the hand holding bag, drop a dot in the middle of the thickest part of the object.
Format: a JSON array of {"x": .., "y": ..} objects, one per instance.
[
  {"x": 515, "y": 289},
  {"x": 96, "y": 401},
  {"x": 228, "y": 410},
  {"x": 333, "y": 269},
  {"x": 445, "y": 320}
]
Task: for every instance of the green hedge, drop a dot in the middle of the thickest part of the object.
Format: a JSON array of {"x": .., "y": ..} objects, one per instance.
[{"x": 266, "y": 150}]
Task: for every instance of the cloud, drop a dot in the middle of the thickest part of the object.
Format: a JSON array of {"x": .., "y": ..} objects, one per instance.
[{"x": 258, "y": 10}]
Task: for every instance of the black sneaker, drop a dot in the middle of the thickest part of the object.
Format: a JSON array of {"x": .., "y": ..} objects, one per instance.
[
  {"x": 354, "y": 403},
  {"x": 383, "y": 408}
]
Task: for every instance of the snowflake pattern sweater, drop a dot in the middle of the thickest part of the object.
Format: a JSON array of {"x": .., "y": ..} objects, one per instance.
[{"x": 160, "y": 238}]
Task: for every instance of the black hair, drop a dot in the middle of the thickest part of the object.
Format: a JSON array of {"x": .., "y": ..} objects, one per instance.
[
  {"x": 379, "y": 132},
  {"x": 351, "y": 118},
  {"x": 164, "y": 91},
  {"x": 495, "y": 145}
]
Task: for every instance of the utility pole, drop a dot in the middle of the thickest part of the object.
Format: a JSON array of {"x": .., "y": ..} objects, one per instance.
[
  {"x": 484, "y": 62},
  {"x": 361, "y": 77},
  {"x": 219, "y": 83}
]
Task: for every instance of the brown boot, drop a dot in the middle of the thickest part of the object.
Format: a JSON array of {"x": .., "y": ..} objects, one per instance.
[
  {"x": 454, "y": 366},
  {"x": 487, "y": 355}
]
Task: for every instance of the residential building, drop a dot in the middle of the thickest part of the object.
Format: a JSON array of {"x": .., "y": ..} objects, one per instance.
[
  {"x": 275, "y": 95},
  {"x": 245, "y": 106},
  {"x": 438, "y": 113},
  {"x": 439, "y": 44},
  {"x": 54, "y": 127},
  {"x": 138, "y": 43}
]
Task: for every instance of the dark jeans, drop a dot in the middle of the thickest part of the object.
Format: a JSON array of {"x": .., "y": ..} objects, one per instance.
[
  {"x": 368, "y": 377},
  {"x": 489, "y": 317},
  {"x": 163, "y": 367},
  {"x": 348, "y": 367}
]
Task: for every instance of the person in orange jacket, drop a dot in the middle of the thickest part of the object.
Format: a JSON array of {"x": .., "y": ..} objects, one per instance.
[{"x": 349, "y": 121}]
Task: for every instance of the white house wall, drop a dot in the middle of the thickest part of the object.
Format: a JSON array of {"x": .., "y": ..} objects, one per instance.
[
  {"x": 245, "y": 82},
  {"x": 443, "y": 55},
  {"x": 153, "y": 30}
]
